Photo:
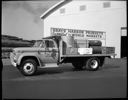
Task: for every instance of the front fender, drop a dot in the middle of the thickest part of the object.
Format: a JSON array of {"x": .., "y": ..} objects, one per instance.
[{"x": 28, "y": 55}]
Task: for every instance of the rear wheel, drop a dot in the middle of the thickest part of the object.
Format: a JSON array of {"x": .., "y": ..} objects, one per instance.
[
  {"x": 28, "y": 67},
  {"x": 92, "y": 64}
]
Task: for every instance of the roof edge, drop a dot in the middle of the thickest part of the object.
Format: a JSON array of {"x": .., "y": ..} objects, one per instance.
[{"x": 49, "y": 11}]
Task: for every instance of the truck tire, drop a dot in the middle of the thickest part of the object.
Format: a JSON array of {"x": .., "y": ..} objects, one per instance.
[
  {"x": 77, "y": 65},
  {"x": 28, "y": 67},
  {"x": 92, "y": 64}
]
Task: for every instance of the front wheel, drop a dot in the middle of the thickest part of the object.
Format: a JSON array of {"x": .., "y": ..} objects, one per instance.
[
  {"x": 92, "y": 64},
  {"x": 28, "y": 67}
]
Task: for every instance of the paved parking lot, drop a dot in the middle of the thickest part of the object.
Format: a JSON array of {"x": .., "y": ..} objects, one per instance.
[{"x": 66, "y": 83}]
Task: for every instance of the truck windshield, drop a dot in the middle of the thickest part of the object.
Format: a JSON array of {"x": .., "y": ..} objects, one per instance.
[{"x": 37, "y": 44}]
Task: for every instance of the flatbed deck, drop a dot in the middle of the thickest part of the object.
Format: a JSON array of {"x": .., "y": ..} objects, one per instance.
[{"x": 89, "y": 55}]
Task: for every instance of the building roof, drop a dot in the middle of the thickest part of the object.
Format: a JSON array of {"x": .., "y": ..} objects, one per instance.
[{"x": 53, "y": 8}]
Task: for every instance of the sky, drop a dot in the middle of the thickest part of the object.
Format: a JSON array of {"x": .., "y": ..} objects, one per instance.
[{"x": 22, "y": 18}]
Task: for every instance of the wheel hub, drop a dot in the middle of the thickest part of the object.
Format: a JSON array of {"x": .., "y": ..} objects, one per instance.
[
  {"x": 94, "y": 64},
  {"x": 28, "y": 68}
]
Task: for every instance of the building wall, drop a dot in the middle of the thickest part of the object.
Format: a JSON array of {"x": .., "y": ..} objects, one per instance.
[{"x": 94, "y": 17}]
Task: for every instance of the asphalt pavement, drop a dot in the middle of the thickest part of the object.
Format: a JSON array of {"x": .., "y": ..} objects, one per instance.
[{"x": 64, "y": 82}]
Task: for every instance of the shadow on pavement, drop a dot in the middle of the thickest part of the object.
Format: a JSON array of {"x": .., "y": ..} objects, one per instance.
[
  {"x": 57, "y": 70},
  {"x": 109, "y": 66}
]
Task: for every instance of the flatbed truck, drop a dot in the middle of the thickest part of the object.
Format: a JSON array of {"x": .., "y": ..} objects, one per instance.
[{"x": 53, "y": 51}]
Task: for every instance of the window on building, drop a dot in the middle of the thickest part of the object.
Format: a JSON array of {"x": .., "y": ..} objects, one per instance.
[
  {"x": 106, "y": 4},
  {"x": 82, "y": 7},
  {"x": 62, "y": 10}
]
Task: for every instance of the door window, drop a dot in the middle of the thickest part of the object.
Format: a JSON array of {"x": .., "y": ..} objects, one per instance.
[{"x": 49, "y": 44}]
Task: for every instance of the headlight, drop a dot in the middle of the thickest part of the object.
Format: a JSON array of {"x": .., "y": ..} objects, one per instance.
[
  {"x": 16, "y": 54},
  {"x": 14, "y": 58}
]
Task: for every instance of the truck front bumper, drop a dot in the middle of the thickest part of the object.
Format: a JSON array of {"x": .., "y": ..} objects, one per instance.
[{"x": 13, "y": 59}]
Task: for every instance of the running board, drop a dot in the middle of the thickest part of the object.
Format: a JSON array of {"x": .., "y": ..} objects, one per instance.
[{"x": 50, "y": 65}]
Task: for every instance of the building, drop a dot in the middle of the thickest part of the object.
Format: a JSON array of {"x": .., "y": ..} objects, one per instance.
[{"x": 104, "y": 20}]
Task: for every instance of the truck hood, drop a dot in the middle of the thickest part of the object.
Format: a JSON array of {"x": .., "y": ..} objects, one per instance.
[{"x": 26, "y": 49}]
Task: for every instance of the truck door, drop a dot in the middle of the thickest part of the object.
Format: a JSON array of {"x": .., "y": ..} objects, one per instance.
[
  {"x": 51, "y": 51},
  {"x": 41, "y": 52}
]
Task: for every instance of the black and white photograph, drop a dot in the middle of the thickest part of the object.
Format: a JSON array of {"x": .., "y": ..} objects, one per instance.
[{"x": 64, "y": 49}]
